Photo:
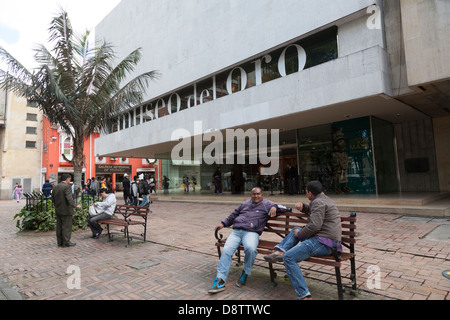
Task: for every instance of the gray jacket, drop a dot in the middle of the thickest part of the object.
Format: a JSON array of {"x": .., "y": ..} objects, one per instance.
[{"x": 324, "y": 219}]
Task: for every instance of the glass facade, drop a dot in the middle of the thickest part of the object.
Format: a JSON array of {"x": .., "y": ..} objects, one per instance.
[{"x": 350, "y": 157}]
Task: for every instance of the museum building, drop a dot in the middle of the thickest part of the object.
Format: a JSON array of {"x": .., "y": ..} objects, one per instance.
[{"x": 349, "y": 92}]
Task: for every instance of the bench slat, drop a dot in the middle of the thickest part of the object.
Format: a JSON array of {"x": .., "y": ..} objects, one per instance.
[
  {"x": 282, "y": 226},
  {"x": 129, "y": 215}
]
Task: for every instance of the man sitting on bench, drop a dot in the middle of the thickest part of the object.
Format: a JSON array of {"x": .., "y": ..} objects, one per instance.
[
  {"x": 248, "y": 223},
  {"x": 317, "y": 238},
  {"x": 101, "y": 211}
]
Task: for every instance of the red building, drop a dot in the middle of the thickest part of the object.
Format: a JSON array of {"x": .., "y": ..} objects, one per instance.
[{"x": 57, "y": 154}]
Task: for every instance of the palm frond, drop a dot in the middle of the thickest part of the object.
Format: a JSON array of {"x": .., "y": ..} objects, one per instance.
[{"x": 16, "y": 77}]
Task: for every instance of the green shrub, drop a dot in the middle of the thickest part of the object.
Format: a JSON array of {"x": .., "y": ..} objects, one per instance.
[{"x": 42, "y": 218}]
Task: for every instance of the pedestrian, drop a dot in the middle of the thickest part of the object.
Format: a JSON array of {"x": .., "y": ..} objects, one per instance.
[
  {"x": 248, "y": 222},
  {"x": 95, "y": 187},
  {"x": 152, "y": 184},
  {"x": 217, "y": 180},
  {"x": 194, "y": 182},
  {"x": 317, "y": 238},
  {"x": 134, "y": 188},
  {"x": 186, "y": 183},
  {"x": 126, "y": 189},
  {"x": 47, "y": 188},
  {"x": 291, "y": 177},
  {"x": 101, "y": 211},
  {"x": 18, "y": 193},
  {"x": 64, "y": 202},
  {"x": 144, "y": 192},
  {"x": 166, "y": 184}
]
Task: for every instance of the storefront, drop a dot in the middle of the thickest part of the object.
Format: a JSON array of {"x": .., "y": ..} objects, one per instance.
[{"x": 356, "y": 156}]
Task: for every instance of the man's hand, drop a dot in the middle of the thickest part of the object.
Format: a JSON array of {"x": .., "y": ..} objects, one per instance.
[
  {"x": 296, "y": 232},
  {"x": 219, "y": 227},
  {"x": 273, "y": 212},
  {"x": 299, "y": 206}
]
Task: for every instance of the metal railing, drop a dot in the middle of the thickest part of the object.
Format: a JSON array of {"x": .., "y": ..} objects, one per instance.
[{"x": 38, "y": 202}]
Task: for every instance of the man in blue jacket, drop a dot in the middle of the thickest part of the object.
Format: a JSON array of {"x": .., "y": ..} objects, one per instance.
[{"x": 248, "y": 223}]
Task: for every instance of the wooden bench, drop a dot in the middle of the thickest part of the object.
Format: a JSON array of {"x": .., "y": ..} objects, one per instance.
[
  {"x": 277, "y": 228},
  {"x": 126, "y": 216}
]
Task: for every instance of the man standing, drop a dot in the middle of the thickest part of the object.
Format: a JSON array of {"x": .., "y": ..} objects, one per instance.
[
  {"x": 126, "y": 189},
  {"x": 134, "y": 190},
  {"x": 248, "y": 223},
  {"x": 317, "y": 238},
  {"x": 143, "y": 191},
  {"x": 291, "y": 176},
  {"x": 64, "y": 207},
  {"x": 95, "y": 187}
]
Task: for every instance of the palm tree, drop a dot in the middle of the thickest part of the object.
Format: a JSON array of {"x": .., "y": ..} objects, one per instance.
[{"x": 76, "y": 86}]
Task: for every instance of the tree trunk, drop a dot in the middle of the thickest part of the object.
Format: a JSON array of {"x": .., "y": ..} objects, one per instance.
[{"x": 78, "y": 163}]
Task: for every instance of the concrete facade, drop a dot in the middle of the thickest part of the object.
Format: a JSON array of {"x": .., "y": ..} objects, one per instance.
[
  {"x": 20, "y": 147},
  {"x": 189, "y": 42}
]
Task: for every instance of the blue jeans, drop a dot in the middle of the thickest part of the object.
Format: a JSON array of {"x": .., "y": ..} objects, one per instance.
[
  {"x": 144, "y": 200},
  {"x": 249, "y": 240},
  {"x": 295, "y": 252}
]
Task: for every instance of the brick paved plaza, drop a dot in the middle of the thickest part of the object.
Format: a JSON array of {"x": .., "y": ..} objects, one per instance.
[{"x": 179, "y": 260}]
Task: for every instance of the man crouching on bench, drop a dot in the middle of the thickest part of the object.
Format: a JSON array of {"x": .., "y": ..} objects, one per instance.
[{"x": 248, "y": 223}]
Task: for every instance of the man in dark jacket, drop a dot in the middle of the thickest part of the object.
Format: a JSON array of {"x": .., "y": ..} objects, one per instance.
[
  {"x": 64, "y": 208},
  {"x": 317, "y": 238},
  {"x": 248, "y": 223},
  {"x": 126, "y": 189}
]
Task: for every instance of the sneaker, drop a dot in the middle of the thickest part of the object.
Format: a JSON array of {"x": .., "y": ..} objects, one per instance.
[
  {"x": 277, "y": 256},
  {"x": 241, "y": 281},
  {"x": 218, "y": 286}
]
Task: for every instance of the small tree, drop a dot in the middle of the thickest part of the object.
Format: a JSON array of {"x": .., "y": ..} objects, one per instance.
[{"x": 76, "y": 86}]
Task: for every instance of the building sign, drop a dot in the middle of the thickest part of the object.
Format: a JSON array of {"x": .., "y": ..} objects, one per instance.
[
  {"x": 292, "y": 58},
  {"x": 110, "y": 169}
]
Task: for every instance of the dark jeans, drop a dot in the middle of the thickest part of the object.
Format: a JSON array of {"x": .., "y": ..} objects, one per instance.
[{"x": 94, "y": 225}]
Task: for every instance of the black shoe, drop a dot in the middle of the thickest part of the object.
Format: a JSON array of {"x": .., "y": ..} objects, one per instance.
[{"x": 70, "y": 244}]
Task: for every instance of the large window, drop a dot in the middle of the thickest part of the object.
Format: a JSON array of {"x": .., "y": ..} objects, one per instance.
[{"x": 340, "y": 155}]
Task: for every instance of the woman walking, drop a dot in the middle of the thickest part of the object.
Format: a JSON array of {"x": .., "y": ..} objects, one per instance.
[{"x": 18, "y": 193}]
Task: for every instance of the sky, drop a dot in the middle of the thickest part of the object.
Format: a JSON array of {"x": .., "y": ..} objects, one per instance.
[{"x": 25, "y": 23}]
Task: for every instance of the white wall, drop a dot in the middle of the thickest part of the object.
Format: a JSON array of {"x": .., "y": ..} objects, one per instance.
[{"x": 189, "y": 40}]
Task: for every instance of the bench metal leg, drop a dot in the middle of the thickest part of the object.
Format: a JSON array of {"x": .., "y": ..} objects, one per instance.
[
  {"x": 273, "y": 275},
  {"x": 109, "y": 234},
  {"x": 145, "y": 232},
  {"x": 339, "y": 283},
  {"x": 353, "y": 275},
  {"x": 127, "y": 235}
]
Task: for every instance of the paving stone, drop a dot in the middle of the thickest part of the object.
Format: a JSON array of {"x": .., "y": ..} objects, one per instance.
[{"x": 179, "y": 261}]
